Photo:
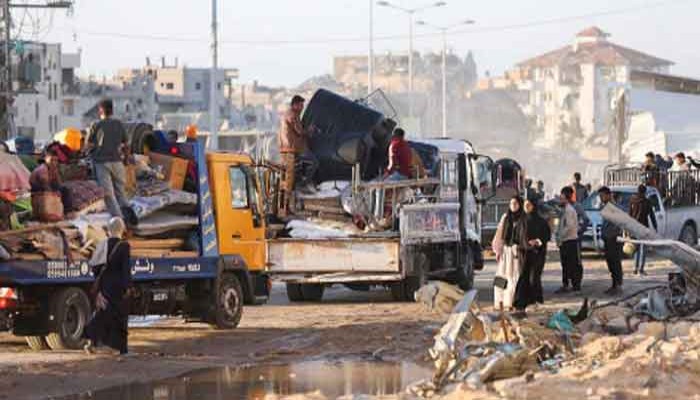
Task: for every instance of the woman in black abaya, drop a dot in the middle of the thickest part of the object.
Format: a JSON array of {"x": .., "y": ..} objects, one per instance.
[
  {"x": 529, "y": 289},
  {"x": 109, "y": 324}
]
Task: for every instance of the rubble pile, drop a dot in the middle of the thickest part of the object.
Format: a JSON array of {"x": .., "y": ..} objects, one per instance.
[{"x": 642, "y": 345}]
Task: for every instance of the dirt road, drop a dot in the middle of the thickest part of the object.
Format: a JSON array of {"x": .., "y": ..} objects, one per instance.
[{"x": 346, "y": 325}]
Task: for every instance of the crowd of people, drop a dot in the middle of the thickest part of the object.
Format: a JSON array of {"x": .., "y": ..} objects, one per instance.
[{"x": 520, "y": 243}]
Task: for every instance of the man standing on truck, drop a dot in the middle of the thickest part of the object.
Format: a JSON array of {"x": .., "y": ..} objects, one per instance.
[
  {"x": 568, "y": 239},
  {"x": 613, "y": 250},
  {"x": 295, "y": 152},
  {"x": 580, "y": 190},
  {"x": 107, "y": 147},
  {"x": 642, "y": 211},
  {"x": 399, "y": 157}
]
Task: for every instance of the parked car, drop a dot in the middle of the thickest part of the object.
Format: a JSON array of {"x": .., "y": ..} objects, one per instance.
[{"x": 676, "y": 204}]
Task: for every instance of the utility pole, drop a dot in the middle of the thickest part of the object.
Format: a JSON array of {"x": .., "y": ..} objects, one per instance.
[
  {"x": 213, "y": 91},
  {"x": 444, "y": 30},
  {"x": 6, "y": 86},
  {"x": 370, "y": 61},
  {"x": 444, "y": 83}
]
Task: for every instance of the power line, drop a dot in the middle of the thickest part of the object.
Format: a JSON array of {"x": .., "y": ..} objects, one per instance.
[{"x": 363, "y": 39}]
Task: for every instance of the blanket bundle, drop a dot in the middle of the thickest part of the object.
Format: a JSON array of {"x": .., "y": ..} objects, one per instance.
[
  {"x": 80, "y": 195},
  {"x": 143, "y": 206}
]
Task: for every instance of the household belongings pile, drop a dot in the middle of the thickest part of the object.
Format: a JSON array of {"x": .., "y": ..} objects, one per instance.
[{"x": 69, "y": 223}]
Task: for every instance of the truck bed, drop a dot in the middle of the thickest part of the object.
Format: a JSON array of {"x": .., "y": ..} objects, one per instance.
[{"x": 336, "y": 255}]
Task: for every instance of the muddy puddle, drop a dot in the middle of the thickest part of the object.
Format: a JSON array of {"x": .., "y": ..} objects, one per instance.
[{"x": 331, "y": 380}]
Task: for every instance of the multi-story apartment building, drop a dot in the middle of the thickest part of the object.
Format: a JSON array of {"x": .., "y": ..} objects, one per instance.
[{"x": 572, "y": 90}]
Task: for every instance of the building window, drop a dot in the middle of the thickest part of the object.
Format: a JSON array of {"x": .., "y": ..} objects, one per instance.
[
  {"x": 198, "y": 86},
  {"x": 55, "y": 91},
  {"x": 170, "y": 86},
  {"x": 68, "y": 108},
  {"x": 36, "y": 111},
  {"x": 218, "y": 86}
]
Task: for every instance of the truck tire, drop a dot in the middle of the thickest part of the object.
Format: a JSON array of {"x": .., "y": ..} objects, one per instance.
[
  {"x": 294, "y": 293},
  {"x": 71, "y": 311},
  {"x": 37, "y": 343},
  {"x": 229, "y": 302},
  {"x": 312, "y": 292},
  {"x": 689, "y": 235},
  {"x": 465, "y": 273},
  {"x": 406, "y": 289}
]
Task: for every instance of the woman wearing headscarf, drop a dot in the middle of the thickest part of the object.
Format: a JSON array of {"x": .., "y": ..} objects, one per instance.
[
  {"x": 529, "y": 289},
  {"x": 109, "y": 324},
  {"x": 510, "y": 245}
]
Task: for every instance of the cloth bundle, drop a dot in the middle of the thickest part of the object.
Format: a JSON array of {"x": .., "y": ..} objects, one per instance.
[
  {"x": 164, "y": 222},
  {"x": 47, "y": 206},
  {"x": 14, "y": 176},
  {"x": 145, "y": 206},
  {"x": 79, "y": 195}
]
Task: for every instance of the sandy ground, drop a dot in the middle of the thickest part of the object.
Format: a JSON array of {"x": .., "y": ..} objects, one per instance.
[{"x": 346, "y": 325}]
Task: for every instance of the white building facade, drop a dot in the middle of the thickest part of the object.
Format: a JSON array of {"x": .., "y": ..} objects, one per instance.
[
  {"x": 573, "y": 90},
  {"x": 38, "y": 102}
]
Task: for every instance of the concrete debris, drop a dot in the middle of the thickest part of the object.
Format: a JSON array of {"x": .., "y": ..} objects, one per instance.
[
  {"x": 478, "y": 352},
  {"x": 439, "y": 296}
]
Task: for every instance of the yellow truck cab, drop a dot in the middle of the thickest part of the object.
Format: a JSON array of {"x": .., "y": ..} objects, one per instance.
[{"x": 238, "y": 210}]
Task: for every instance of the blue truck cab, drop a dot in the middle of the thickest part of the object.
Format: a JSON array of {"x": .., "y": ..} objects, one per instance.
[{"x": 47, "y": 301}]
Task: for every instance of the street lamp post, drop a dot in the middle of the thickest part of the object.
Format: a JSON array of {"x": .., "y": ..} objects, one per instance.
[
  {"x": 370, "y": 60},
  {"x": 411, "y": 12},
  {"x": 444, "y": 30}
]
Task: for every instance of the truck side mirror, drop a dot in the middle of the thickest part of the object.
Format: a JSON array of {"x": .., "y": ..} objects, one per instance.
[{"x": 483, "y": 177}]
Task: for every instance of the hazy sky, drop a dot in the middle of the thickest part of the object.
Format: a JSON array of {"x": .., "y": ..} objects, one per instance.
[{"x": 261, "y": 37}]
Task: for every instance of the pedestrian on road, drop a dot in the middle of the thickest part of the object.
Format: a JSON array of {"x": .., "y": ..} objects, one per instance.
[
  {"x": 613, "y": 249},
  {"x": 642, "y": 211},
  {"x": 107, "y": 148},
  {"x": 509, "y": 244},
  {"x": 583, "y": 222},
  {"x": 568, "y": 239},
  {"x": 529, "y": 289},
  {"x": 580, "y": 190},
  {"x": 109, "y": 324}
]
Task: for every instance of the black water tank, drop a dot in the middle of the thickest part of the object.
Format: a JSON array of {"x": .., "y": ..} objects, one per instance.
[{"x": 347, "y": 132}]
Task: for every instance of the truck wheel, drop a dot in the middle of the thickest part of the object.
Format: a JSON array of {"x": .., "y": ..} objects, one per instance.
[
  {"x": 689, "y": 235},
  {"x": 294, "y": 293},
  {"x": 229, "y": 302},
  {"x": 70, "y": 310},
  {"x": 465, "y": 273},
  {"x": 37, "y": 343},
  {"x": 406, "y": 289},
  {"x": 312, "y": 292}
]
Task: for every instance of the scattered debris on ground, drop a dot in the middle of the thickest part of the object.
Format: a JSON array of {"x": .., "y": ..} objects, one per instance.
[{"x": 643, "y": 344}]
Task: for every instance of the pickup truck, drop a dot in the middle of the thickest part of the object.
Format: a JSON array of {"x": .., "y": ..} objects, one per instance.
[
  {"x": 674, "y": 196},
  {"x": 47, "y": 301}
]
